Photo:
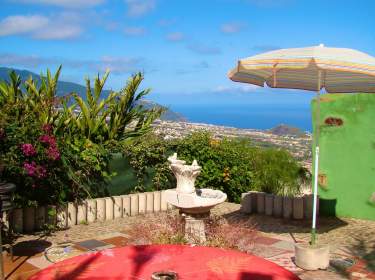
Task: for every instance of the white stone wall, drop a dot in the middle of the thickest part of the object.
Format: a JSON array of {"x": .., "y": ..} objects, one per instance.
[
  {"x": 297, "y": 208},
  {"x": 89, "y": 211}
]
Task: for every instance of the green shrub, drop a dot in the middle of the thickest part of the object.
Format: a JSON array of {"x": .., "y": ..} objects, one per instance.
[
  {"x": 226, "y": 164},
  {"x": 231, "y": 165},
  {"x": 55, "y": 155},
  {"x": 276, "y": 171},
  {"x": 148, "y": 157}
]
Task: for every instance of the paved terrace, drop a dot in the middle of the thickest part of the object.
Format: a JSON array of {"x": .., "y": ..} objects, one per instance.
[{"x": 349, "y": 239}]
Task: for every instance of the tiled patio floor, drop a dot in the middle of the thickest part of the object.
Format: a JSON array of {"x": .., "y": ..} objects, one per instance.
[{"x": 33, "y": 253}]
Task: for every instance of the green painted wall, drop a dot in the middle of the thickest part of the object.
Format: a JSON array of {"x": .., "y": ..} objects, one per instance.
[{"x": 347, "y": 155}]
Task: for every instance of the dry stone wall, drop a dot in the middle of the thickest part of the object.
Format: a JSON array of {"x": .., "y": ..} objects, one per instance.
[
  {"x": 32, "y": 219},
  {"x": 278, "y": 206}
]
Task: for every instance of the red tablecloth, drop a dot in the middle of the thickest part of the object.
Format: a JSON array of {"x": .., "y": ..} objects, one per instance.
[{"x": 138, "y": 262}]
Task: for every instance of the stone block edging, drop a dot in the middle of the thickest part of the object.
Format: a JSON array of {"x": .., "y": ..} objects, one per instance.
[
  {"x": 32, "y": 219},
  {"x": 277, "y": 206}
]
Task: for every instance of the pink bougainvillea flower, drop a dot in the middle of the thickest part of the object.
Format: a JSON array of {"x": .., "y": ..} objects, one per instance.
[
  {"x": 41, "y": 172},
  {"x": 47, "y": 128},
  {"x": 30, "y": 168},
  {"x": 53, "y": 153},
  {"x": 48, "y": 139},
  {"x": 28, "y": 150},
  {"x": 34, "y": 170}
]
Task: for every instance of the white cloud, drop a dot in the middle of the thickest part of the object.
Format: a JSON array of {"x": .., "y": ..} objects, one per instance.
[
  {"x": 134, "y": 30},
  {"x": 56, "y": 27},
  {"x": 116, "y": 65},
  {"x": 64, "y": 3},
  {"x": 58, "y": 32},
  {"x": 137, "y": 8},
  {"x": 231, "y": 27},
  {"x": 19, "y": 24},
  {"x": 175, "y": 36},
  {"x": 21, "y": 60}
]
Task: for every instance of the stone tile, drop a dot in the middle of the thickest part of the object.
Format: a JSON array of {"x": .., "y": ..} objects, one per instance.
[
  {"x": 100, "y": 248},
  {"x": 285, "y": 260},
  {"x": 77, "y": 247},
  {"x": 118, "y": 241},
  {"x": 39, "y": 262},
  {"x": 343, "y": 235},
  {"x": 60, "y": 253},
  {"x": 319, "y": 275},
  {"x": 19, "y": 266},
  {"x": 112, "y": 234},
  {"x": 285, "y": 245},
  {"x": 91, "y": 244},
  {"x": 359, "y": 275},
  {"x": 266, "y": 240},
  {"x": 23, "y": 275},
  {"x": 266, "y": 251}
]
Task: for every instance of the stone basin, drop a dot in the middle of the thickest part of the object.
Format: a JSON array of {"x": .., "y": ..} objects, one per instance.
[{"x": 199, "y": 202}]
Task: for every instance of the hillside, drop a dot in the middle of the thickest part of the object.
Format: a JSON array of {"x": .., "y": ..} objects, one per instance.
[
  {"x": 283, "y": 129},
  {"x": 64, "y": 88}
]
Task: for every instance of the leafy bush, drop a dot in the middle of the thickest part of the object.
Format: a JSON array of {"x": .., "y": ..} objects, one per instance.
[
  {"x": 148, "y": 157},
  {"x": 231, "y": 165},
  {"x": 226, "y": 164},
  {"x": 56, "y": 152}
]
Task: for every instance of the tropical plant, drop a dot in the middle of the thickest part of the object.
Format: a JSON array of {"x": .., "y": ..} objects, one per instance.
[
  {"x": 57, "y": 149},
  {"x": 118, "y": 116}
]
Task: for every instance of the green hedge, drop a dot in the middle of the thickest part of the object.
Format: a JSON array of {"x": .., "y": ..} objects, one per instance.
[{"x": 231, "y": 165}]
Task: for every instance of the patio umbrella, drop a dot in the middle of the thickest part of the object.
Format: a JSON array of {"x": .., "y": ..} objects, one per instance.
[{"x": 337, "y": 70}]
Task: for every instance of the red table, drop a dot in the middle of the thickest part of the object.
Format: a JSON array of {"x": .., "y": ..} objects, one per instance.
[{"x": 190, "y": 262}]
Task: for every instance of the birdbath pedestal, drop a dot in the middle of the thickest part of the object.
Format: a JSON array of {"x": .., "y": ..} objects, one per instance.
[{"x": 194, "y": 204}]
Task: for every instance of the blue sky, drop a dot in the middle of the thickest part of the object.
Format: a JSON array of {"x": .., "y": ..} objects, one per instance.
[{"x": 185, "y": 47}]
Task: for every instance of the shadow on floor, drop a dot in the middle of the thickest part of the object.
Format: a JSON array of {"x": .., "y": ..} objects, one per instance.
[
  {"x": 365, "y": 252},
  {"x": 279, "y": 225},
  {"x": 30, "y": 248},
  {"x": 22, "y": 251}
]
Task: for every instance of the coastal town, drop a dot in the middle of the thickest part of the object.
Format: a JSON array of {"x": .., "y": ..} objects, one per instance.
[{"x": 297, "y": 143}]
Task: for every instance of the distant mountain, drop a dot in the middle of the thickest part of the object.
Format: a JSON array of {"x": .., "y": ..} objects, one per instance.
[
  {"x": 168, "y": 115},
  {"x": 64, "y": 88},
  {"x": 283, "y": 129}
]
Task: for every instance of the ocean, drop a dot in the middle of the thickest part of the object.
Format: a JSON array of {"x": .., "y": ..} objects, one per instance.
[{"x": 258, "y": 116}]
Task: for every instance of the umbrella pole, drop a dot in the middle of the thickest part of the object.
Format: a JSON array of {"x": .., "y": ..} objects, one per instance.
[{"x": 316, "y": 165}]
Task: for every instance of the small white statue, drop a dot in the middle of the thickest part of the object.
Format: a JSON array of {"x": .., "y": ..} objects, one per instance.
[{"x": 185, "y": 174}]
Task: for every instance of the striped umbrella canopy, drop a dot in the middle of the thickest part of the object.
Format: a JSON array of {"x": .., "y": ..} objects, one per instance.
[{"x": 337, "y": 70}]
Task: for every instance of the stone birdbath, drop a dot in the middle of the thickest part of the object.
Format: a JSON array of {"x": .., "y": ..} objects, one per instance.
[{"x": 194, "y": 204}]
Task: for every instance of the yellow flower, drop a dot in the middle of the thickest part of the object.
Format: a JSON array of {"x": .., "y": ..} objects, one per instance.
[{"x": 214, "y": 142}]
